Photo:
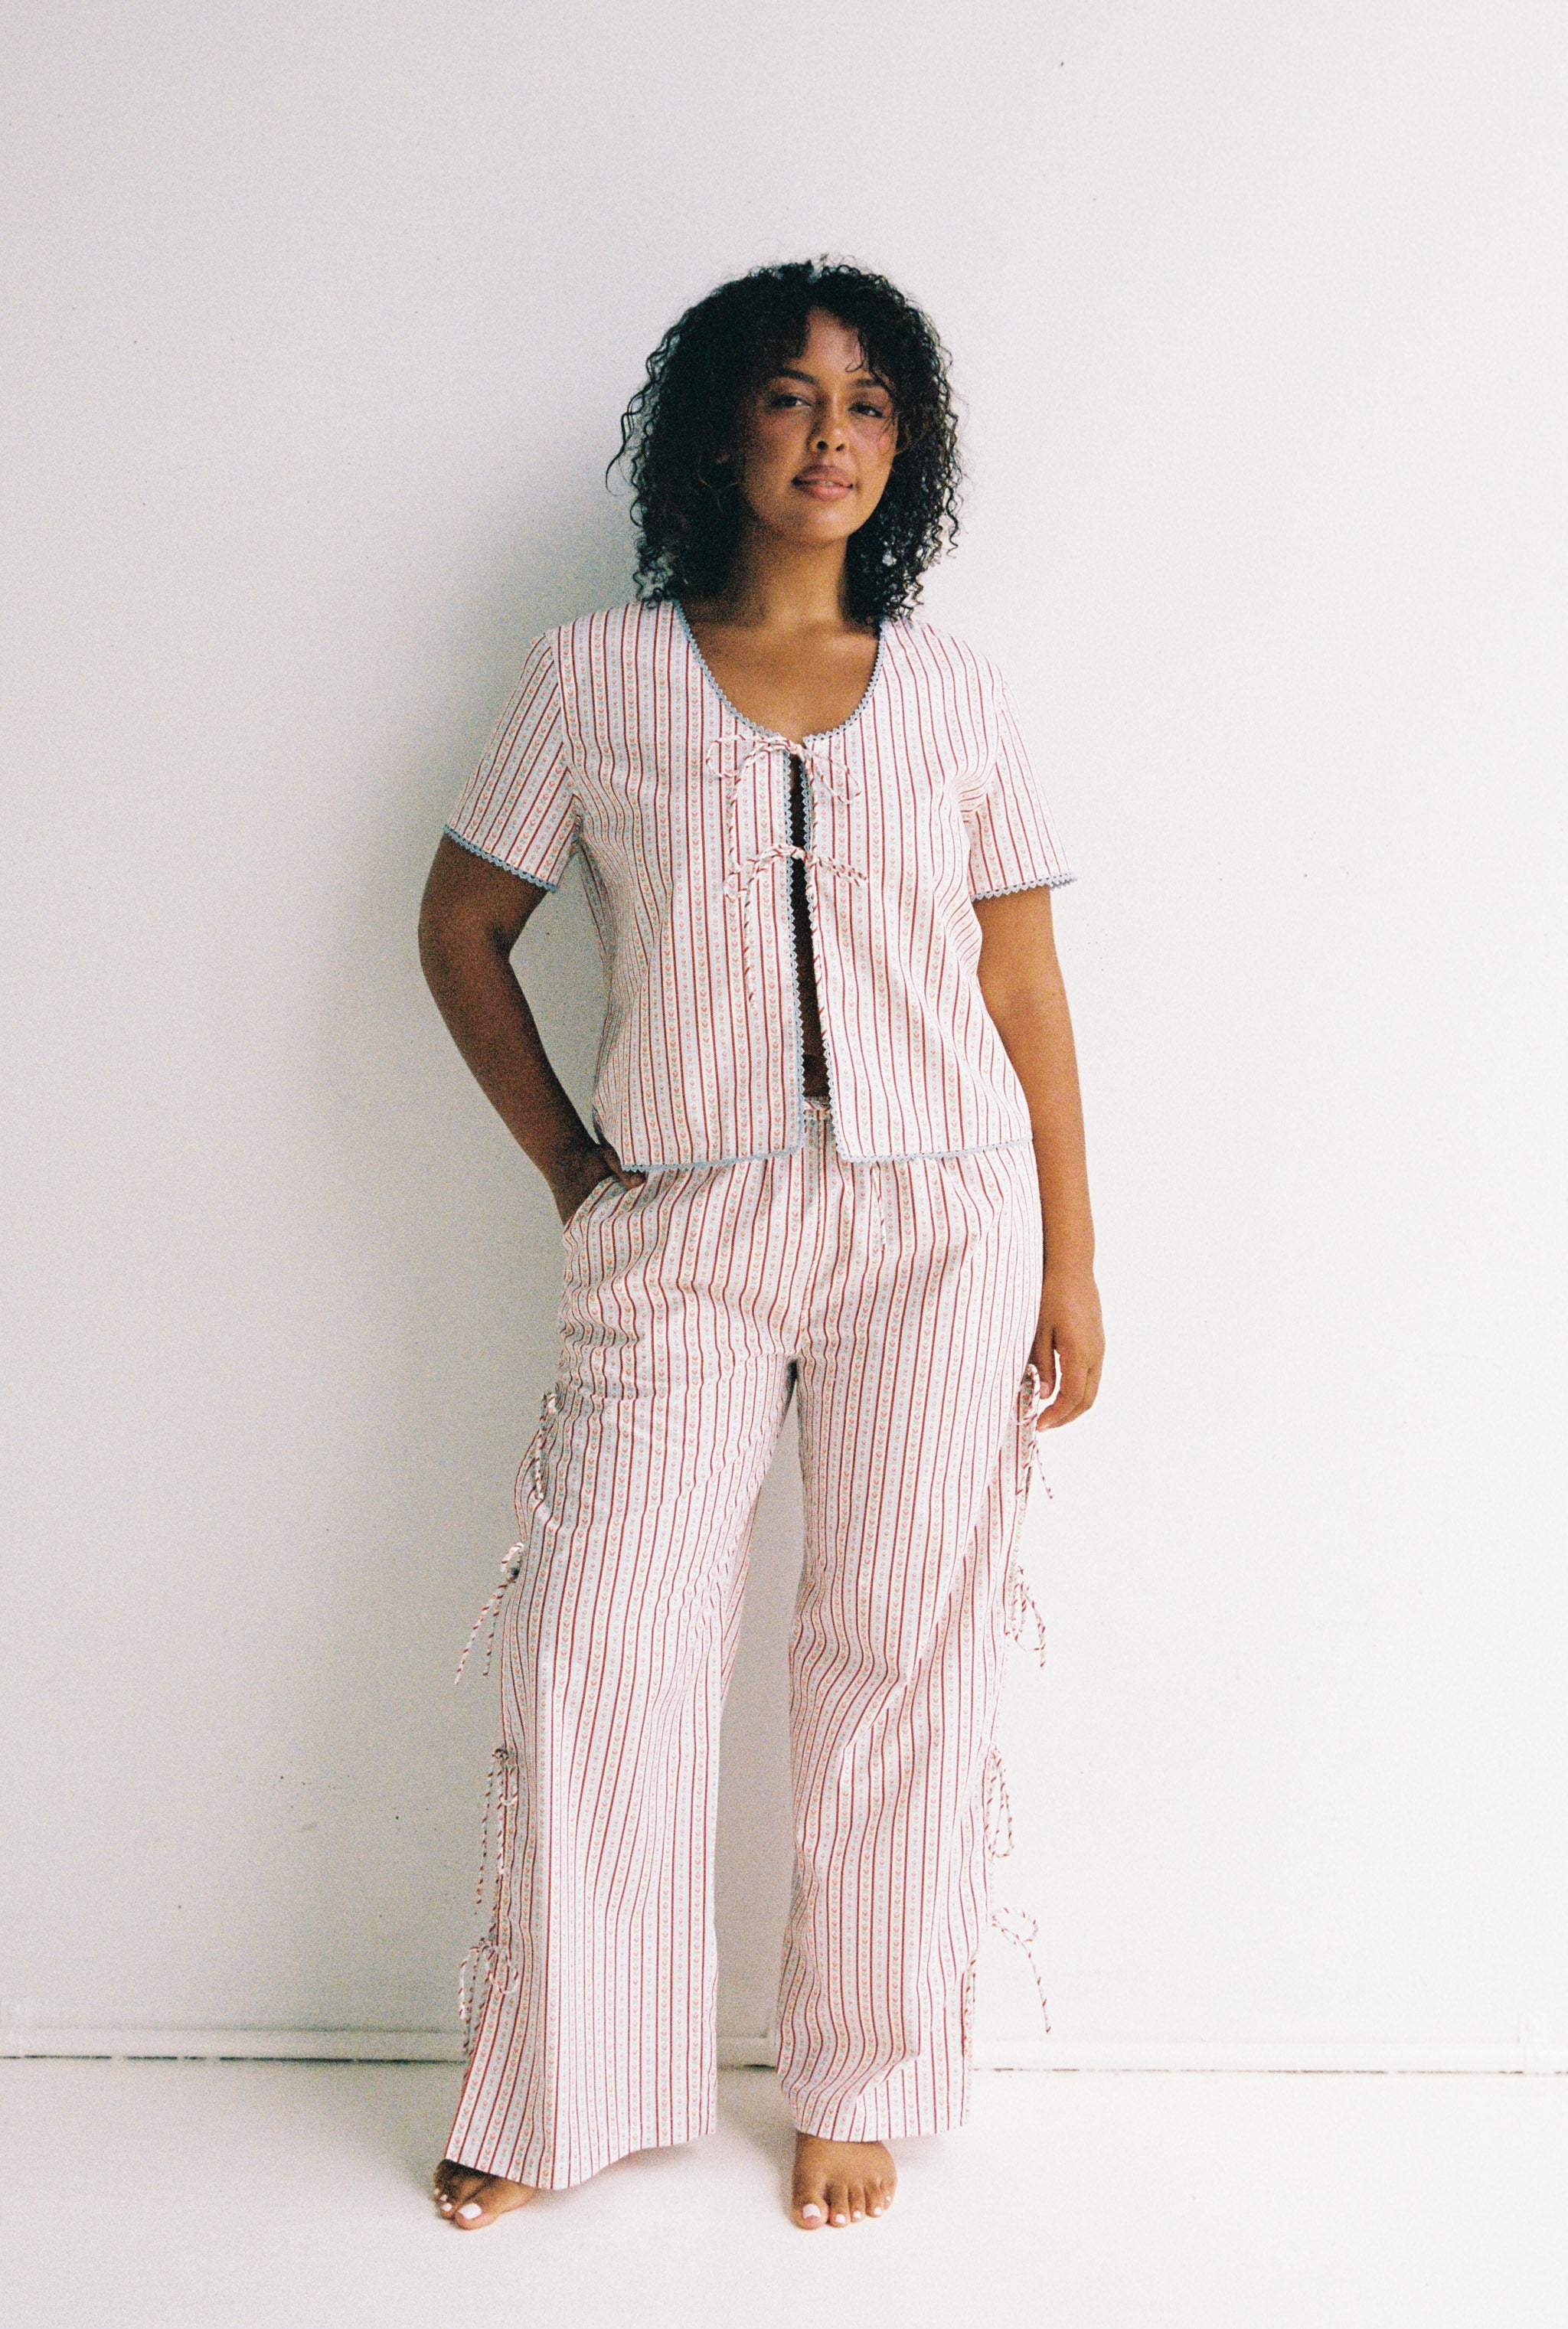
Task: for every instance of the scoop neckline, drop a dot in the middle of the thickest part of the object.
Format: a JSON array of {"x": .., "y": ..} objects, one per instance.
[{"x": 791, "y": 743}]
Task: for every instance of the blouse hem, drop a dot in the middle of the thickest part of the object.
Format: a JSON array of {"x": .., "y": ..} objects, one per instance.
[{"x": 793, "y": 1148}]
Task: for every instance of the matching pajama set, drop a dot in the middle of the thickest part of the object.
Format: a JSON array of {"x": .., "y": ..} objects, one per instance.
[{"x": 876, "y": 1255}]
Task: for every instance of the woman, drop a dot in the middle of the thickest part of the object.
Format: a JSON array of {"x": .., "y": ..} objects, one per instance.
[{"x": 838, "y": 1152}]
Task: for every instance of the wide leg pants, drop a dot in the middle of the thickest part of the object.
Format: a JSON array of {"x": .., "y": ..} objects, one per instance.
[{"x": 898, "y": 1301}]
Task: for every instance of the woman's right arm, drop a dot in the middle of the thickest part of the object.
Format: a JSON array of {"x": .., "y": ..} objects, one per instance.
[{"x": 470, "y": 919}]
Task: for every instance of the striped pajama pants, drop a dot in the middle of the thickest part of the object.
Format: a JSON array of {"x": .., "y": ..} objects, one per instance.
[{"x": 898, "y": 1301}]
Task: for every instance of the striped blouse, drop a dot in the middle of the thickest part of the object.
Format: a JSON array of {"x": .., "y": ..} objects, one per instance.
[{"x": 618, "y": 744}]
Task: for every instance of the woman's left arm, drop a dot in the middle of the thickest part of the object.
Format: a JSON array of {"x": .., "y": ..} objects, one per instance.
[{"x": 1021, "y": 980}]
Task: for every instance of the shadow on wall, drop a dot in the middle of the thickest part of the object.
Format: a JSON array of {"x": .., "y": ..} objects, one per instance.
[{"x": 457, "y": 1248}]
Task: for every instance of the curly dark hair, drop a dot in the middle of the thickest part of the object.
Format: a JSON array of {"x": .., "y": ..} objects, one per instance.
[{"x": 685, "y": 499}]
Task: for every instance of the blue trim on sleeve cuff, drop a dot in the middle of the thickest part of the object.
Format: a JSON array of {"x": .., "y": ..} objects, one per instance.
[
  {"x": 1015, "y": 889},
  {"x": 491, "y": 858}
]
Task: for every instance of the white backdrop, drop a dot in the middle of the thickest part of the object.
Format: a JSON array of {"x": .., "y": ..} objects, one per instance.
[{"x": 319, "y": 321}]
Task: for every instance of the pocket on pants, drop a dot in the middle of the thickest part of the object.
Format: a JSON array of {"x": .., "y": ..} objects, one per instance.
[
  {"x": 989, "y": 1180},
  {"x": 588, "y": 1204},
  {"x": 957, "y": 1188}
]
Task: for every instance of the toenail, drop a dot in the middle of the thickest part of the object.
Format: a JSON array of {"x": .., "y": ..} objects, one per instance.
[
  {"x": 841, "y": 2218},
  {"x": 811, "y": 2209},
  {"x": 470, "y": 2208}
]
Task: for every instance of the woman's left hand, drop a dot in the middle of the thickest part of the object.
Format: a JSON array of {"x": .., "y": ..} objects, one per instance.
[{"x": 1071, "y": 1329}]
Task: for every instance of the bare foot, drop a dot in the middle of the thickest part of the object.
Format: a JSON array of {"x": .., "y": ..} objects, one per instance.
[
  {"x": 840, "y": 2182},
  {"x": 470, "y": 2201}
]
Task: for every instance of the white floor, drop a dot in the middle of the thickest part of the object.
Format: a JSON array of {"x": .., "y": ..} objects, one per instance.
[{"x": 295, "y": 2194}]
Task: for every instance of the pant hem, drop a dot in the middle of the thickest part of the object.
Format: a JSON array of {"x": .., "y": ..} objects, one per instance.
[
  {"x": 853, "y": 2123},
  {"x": 551, "y": 2175}
]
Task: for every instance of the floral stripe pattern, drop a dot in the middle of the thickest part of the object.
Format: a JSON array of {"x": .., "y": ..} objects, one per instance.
[{"x": 619, "y": 747}]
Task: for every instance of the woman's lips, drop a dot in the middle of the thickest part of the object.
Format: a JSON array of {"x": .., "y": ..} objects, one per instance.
[{"x": 825, "y": 484}]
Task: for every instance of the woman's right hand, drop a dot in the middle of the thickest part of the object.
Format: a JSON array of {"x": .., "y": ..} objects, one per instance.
[{"x": 577, "y": 1180}]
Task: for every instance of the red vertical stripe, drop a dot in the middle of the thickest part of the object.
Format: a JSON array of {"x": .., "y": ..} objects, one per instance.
[
  {"x": 618, "y": 744},
  {"x": 905, "y": 1294}
]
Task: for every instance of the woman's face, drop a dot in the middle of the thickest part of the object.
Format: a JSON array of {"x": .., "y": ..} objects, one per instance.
[{"x": 818, "y": 439}]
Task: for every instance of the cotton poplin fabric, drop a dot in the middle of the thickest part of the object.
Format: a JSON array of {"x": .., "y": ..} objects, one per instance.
[
  {"x": 618, "y": 745},
  {"x": 896, "y": 1300},
  {"x": 877, "y": 1257}
]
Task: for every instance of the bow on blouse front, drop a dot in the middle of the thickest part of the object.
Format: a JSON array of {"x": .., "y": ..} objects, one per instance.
[{"x": 731, "y": 759}]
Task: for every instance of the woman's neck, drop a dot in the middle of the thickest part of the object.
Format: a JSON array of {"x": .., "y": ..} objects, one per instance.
[{"x": 783, "y": 586}]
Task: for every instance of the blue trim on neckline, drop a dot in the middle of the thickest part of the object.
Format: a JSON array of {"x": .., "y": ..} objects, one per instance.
[{"x": 787, "y": 743}]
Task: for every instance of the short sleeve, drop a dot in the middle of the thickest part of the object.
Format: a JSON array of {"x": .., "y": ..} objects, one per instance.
[
  {"x": 517, "y": 808},
  {"x": 1014, "y": 843}
]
